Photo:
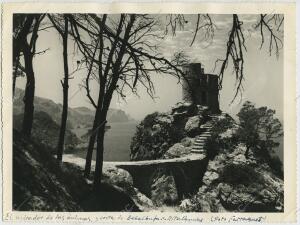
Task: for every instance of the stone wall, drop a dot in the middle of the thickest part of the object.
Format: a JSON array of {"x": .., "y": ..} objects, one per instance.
[{"x": 200, "y": 88}]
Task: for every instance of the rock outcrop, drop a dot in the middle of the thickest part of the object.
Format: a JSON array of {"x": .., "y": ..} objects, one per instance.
[
  {"x": 192, "y": 126},
  {"x": 122, "y": 180},
  {"x": 233, "y": 182},
  {"x": 159, "y": 135},
  {"x": 176, "y": 151},
  {"x": 163, "y": 188}
]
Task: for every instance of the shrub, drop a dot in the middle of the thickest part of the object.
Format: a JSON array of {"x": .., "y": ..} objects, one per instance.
[
  {"x": 212, "y": 146},
  {"x": 149, "y": 120},
  {"x": 215, "y": 143},
  {"x": 259, "y": 129},
  {"x": 276, "y": 166},
  {"x": 153, "y": 137},
  {"x": 240, "y": 174}
]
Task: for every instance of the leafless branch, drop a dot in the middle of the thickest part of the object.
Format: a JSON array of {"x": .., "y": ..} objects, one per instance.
[
  {"x": 235, "y": 52},
  {"x": 271, "y": 23}
]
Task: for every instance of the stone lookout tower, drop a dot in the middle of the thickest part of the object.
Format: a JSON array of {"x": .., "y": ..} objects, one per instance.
[{"x": 200, "y": 88}]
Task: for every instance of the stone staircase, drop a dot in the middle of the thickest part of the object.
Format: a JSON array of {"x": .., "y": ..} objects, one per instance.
[{"x": 200, "y": 140}]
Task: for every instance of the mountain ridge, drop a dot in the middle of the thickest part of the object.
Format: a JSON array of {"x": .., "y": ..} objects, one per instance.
[{"x": 77, "y": 116}]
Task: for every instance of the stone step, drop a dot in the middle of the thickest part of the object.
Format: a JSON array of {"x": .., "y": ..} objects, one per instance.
[
  {"x": 199, "y": 144},
  {"x": 198, "y": 147},
  {"x": 198, "y": 151},
  {"x": 207, "y": 131},
  {"x": 201, "y": 139},
  {"x": 206, "y": 126},
  {"x": 205, "y": 134}
]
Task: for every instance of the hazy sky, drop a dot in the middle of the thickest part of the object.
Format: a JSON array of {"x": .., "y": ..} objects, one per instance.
[{"x": 263, "y": 83}]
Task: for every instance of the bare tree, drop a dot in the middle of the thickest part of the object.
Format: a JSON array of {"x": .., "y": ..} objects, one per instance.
[
  {"x": 235, "y": 51},
  {"x": 25, "y": 37},
  {"x": 121, "y": 54},
  {"x": 268, "y": 24},
  {"x": 21, "y": 27},
  {"x": 64, "y": 83},
  {"x": 272, "y": 24}
]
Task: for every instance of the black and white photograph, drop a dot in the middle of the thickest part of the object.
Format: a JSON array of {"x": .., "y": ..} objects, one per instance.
[{"x": 159, "y": 113}]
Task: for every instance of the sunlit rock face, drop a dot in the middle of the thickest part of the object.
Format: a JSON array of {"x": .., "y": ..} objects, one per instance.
[
  {"x": 230, "y": 181},
  {"x": 176, "y": 151},
  {"x": 157, "y": 135},
  {"x": 235, "y": 183},
  {"x": 163, "y": 188}
]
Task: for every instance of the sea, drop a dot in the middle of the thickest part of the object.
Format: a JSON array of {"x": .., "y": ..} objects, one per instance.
[{"x": 116, "y": 142}]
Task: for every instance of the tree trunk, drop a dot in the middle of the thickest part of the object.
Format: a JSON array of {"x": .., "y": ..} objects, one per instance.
[
  {"x": 15, "y": 72},
  {"x": 99, "y": 157},
  {"x": 65, "y": 85},
  {"x": 64, "y": 117},
  {"x": 100, "y": 141},
  {"x": 29, "y": 92},
  {"x": 89, "y": 155},
  {"x": 14, "y": 83},
  {"x": 104, "y": 100}
]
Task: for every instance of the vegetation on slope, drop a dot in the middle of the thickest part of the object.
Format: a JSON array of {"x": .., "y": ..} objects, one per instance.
[{"x": 41, "y": 184}]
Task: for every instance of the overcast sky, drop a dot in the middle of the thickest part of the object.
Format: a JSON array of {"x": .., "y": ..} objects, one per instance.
[{"x": 263, "y": 83}]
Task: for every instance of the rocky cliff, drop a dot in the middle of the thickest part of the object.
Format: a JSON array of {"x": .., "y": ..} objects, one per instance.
[
  {"x": 235, "y": 183},
  {"x": 168, "y": 135},
  {"x": 231, "y": 182}
]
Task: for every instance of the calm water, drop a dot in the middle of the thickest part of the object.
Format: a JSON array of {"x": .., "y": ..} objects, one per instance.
[
  {"x": 118, "y": 138},
  {"x": 117, "y": 142}
]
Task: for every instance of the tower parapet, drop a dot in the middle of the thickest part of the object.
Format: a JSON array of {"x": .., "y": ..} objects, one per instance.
[{"x": 200, "y": 88}]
